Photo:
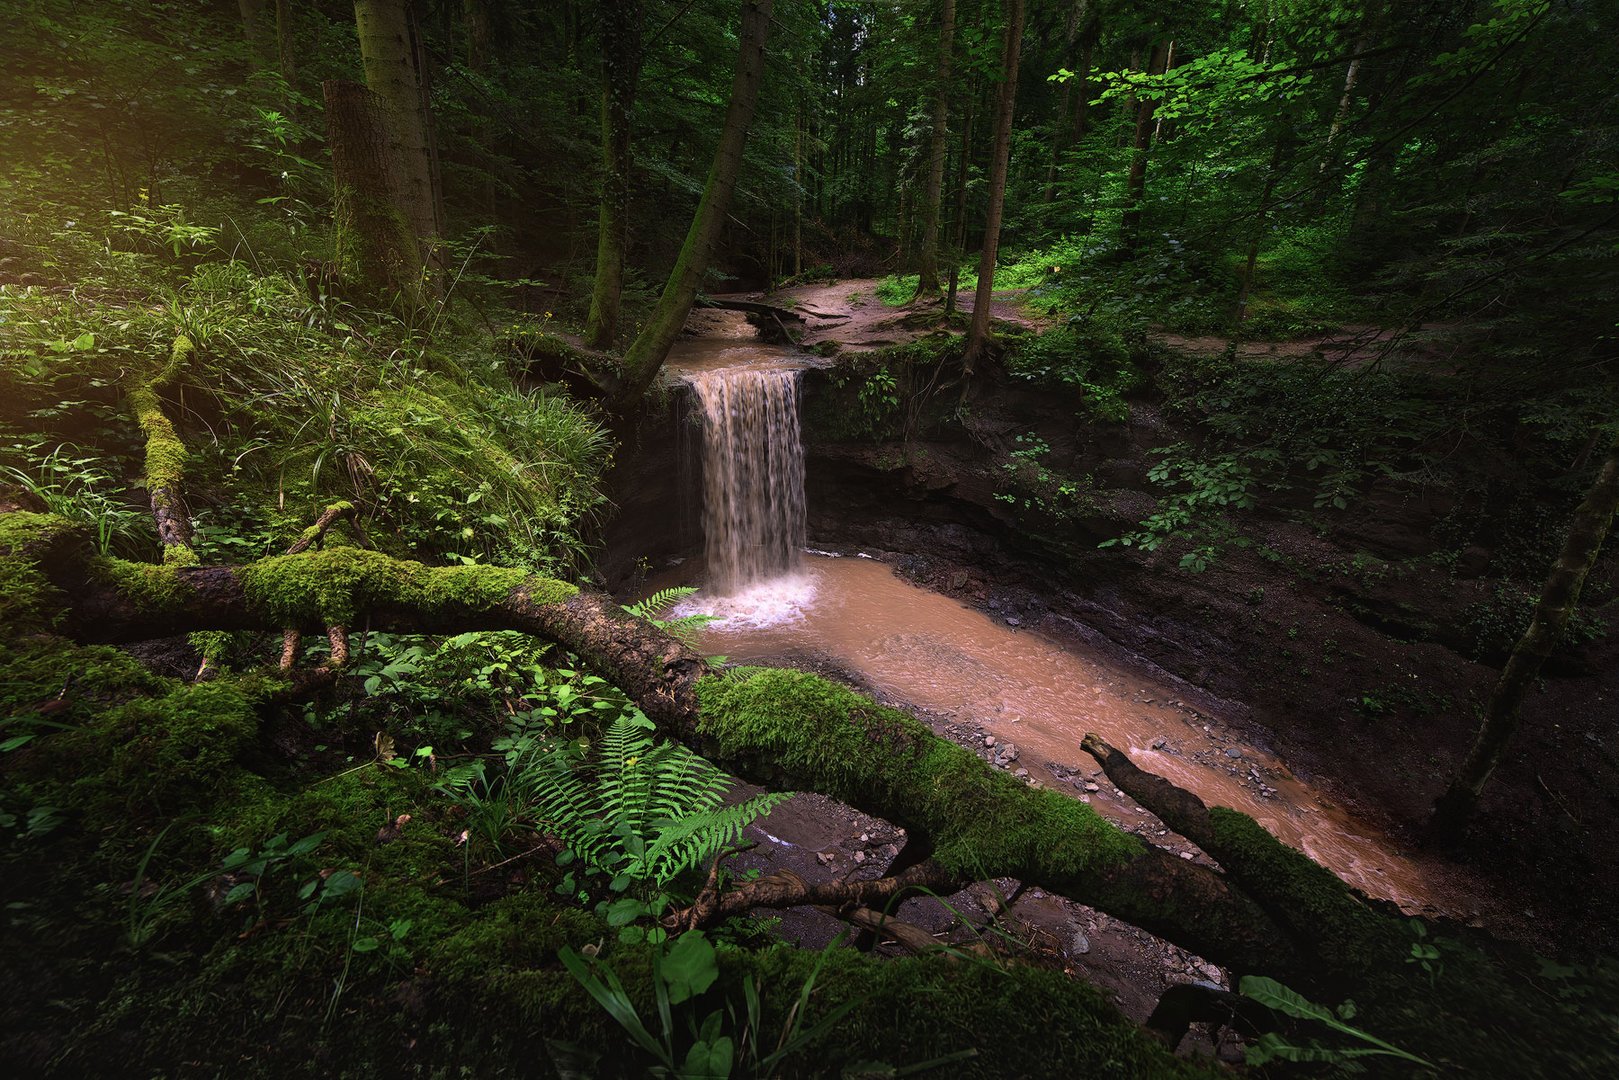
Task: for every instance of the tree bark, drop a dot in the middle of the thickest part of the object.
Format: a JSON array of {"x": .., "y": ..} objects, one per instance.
[
  {"x": 1136, "y": 184},
  {"x": 285, "y": 47},
  {"x": 927, "y": 280},
  {"x": 388, "y": 47},
  {"x": 376, "y": 250},
  {"x": 1586, "y": 533},
  {"x": 621, "y": 74},
  {"x": 983, "y": 301},
  {"x": 1059, "y": 122},
  {"x": 647, "y": 353}
]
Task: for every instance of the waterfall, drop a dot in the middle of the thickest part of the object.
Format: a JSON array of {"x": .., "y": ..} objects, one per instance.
[{"x": 753, "y": 475}]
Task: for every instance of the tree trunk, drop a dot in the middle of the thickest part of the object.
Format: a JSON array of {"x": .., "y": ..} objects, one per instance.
[
  {"x": 783, "y": 729},
  {"x": 1588, "y": 529},
  {"x": 621, "y": 74},
  {"x": 285, "y": 46},
  {"x": 1272, "y": 174},
  {"x": 376, "y": 248},
  {"x": 1082, "y": 108},
  {"x": 254, "y": 31},
  {"x": 388, "y": 47},
  {"x": 959, "y": 233},
  {"x": 475, "y": 15},
  {"x": 927, "y": 277},
  {"x": 646, "y": 354},
  {"x": 1345, "y": 100},
  {"x": 1136, "y": 185},
  {"x": 1011, "y": 47},
  {"x": 798, "y": 192},
  {"x": 1059, "y": 122}
]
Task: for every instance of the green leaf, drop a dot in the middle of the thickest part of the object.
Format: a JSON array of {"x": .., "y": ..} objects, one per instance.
[{"x": 690, "y": 966}]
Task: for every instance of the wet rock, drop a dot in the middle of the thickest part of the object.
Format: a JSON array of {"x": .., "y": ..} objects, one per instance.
[
  {"x": 1187, "y": 855},
  {"x": 1078, "y": 943},
  {"x": 1093, "y": 787},
  {"x": 1158, "y": 743},
  {"x": 1013, "y": 620},
  {"x": 1022, "y": 774},
  {"x": 989, "y": 740},
  {"x": 1233, "y": 752}
]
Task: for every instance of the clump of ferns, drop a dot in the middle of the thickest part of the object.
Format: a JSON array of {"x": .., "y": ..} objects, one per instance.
[
  {"x": 640, "y": 812},
  {"x": 683, "y": 628}
]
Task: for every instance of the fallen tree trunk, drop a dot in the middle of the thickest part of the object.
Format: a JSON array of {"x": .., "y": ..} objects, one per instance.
[{"x": 787, "y": 730}]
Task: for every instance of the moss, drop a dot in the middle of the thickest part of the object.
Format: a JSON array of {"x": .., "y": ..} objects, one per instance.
[
  {"x": 332, "y": 585},
  {"x": 152, "y": 588},
  {"x": 168, "y": 754},
  {"x": 848, "y": 747},
  {"x": 76, "y": 682},
  {"x": 1308, "y": 898}
]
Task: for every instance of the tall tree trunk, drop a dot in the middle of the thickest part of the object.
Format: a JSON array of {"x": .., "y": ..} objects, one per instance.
[
  {"x": 621, "y": 74},
  {"x": 959, "y": 233},
  {"x": 1319, "y": 199},
  {"x": 285, "y": 46},
  {"x": 646, "y": 354},
  {"x": 798, "y": 191},
  {"x": 1136, "y": 184},
  {"x": 1082, "y": 76},
  {"x": 927, "y": 276},
  {"x": 254, "y": 31},
  {"x": 1059, "y": 122},
  {"x": 1272, "y": 174},
  {"x": 1588, "y": 529},
  {"x": 1011, "y": 47},
  {"x": 475, "y": 16},
  {"x": 377, "y": 249},
  {"x": 388, "y": 46}
]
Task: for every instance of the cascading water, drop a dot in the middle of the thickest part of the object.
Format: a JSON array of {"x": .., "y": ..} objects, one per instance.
[{"x": 753, "y": 476}]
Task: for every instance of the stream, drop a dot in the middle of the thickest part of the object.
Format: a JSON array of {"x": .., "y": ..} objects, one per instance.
[{"x": 1019, "y": 698}]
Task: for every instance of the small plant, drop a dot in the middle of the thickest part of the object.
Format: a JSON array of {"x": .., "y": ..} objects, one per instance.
[
  {"x": 683, "y": 628},
  {"x": 78, "y": 487},
  {"x": 642, "y": 811},
  {"x": 1273, "y": 1047},
  {"x": 714, "y": 1046}
]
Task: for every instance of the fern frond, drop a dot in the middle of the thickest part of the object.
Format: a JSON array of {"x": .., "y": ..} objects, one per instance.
[
  {"x": 692, "y": 841},
  {"x": 658, "y": 601}
]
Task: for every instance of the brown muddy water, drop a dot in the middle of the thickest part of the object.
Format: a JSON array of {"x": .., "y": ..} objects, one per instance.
[{"x": 775, "y": 602}]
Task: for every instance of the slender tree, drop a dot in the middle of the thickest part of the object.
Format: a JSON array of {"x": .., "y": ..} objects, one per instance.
[
  {"x": 927, "y": 279},
  {"x": 1135, "y": 186},
  {"x": 1588, "y": 529},
  {"x": 1006, "y": 103},
  {"x": 621, "y": 73},
  {"x": 651, "y": 346}
]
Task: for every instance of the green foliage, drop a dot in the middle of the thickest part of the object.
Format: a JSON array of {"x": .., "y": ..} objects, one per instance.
[
  {"x": 1272, "y": 1047},
  {"x": 640, "y": 811},
  {"x": 723, "y": 1043},
  {"x": 682, "y": 628},
  {"x": 1492, "y": 627}
]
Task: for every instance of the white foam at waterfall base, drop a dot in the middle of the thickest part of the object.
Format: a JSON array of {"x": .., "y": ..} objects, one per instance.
[{"x": 775, "y": 601}]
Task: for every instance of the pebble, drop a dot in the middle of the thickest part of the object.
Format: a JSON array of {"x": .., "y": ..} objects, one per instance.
[
  {"x": 1013, "y": 620},
  {"x": 1233, "y": 752},
  {"x": 1078, "y": 943},
  {"x": 989, "y": 740},
  {"x": 1022, "y": 774},
  {"x": 1158, "y": 743},
  {"x": 1188, "y": 855},
  {"x": 1092, "y": 787},
  {"x": 860, "y": 856}
]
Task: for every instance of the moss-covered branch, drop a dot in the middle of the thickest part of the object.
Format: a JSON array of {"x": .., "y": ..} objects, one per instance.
[
  {"x": 165, "y": 454},
  {"x": 780, "y": 728}
]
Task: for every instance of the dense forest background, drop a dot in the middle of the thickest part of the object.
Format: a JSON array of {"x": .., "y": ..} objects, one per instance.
[{"x": 323, "y": 320}]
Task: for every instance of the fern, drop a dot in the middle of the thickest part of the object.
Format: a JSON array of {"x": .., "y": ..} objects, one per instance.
[
  {"x": 683, "y": 628},
  {"x": 643, "y": 811}
]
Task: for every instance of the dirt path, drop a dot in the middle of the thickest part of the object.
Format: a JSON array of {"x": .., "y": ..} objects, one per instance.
[{"x": 852, "y": 316}]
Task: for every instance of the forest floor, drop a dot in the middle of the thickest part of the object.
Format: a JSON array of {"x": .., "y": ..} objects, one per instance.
[{"x": 850, "y": 314}]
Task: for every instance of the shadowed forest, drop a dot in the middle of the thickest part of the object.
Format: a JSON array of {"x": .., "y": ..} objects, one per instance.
[{"x": 863, "y": 538}]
